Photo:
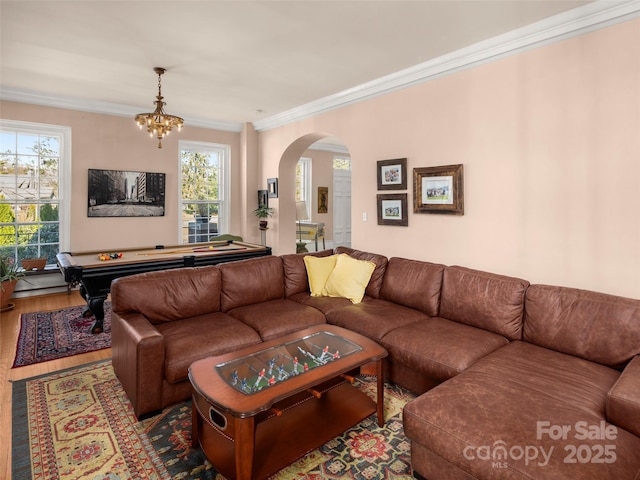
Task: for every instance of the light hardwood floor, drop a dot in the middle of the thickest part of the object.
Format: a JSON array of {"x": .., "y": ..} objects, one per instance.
[{"x": 9, "y": 329}]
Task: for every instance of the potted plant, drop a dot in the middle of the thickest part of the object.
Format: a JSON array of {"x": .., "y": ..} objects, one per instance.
[
  {"x": 263, "y": 212},
  {"x": 10, "y": 273}
]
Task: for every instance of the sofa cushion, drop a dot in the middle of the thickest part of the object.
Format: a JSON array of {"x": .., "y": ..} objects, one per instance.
[
  {"x": 168, "y": 295},
  {"x": 318, "y": 272},
  {"x": 484, "y": 300},
  {"x": 374, "y": 318},
  {"x": 440, "y": 348},
  {"x": 507, "y": 402},
  {"x": 295, "y": 273},
  {"x": 275, "y": 318},
  {"x": 251, "y": 281},
  {"x": 191, "y": 339},
  {"x": 414, "y": 284},
  {"x": 349, "y": 278},
  {"x": 324, "y": 304},
  {"x": 375, "y": 283},
  {"x": 581, "y": 322},
  {"x": 623, "y": 401}
]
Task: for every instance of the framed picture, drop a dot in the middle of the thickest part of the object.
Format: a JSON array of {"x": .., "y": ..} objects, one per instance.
[
  {"x": 323, "y": 199},
  {"x": 263, "y": 198},
  {"x": 392, "y": 209},
  {"x": 120, "y": 193},
  {"x": 392, "y": 174},
  {"x": 272, "y": 187},
  {"x": 438, "y": 190}
]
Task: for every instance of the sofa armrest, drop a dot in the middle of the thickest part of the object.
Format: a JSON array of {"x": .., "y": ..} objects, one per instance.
[
  {"x": 138, "y": 351},
  {"x": 623, "y": 400}
]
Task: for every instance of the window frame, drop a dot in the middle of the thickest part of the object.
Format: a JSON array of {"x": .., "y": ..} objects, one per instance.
[
  {"x": 64, "y": 172},
  {"x": 224, "y": 187},
  {"x": 305, "y": 183}
]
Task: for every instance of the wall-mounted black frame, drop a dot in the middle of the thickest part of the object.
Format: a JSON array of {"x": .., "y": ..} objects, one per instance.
[
  {"x": 121, "y": 193},
  {"x": 263, "y": 198},
  {"x": 272, "y": 187}
]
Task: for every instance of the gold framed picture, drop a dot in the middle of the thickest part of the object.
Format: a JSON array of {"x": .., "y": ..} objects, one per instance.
[{"x": 323, "y": 199}]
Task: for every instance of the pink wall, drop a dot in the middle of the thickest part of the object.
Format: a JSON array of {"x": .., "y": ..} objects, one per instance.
[
  {"x": 116, "y": 143},
  {"x": 550, "y": 142},
  {"x": 549, "y": 139}
]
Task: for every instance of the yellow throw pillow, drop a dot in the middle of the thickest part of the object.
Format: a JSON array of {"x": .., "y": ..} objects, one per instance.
[
  {"x": 318, "y": 271},
  {"x": 349, "y": 278}
]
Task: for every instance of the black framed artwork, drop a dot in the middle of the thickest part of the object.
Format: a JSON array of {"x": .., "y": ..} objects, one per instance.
[
  {"x": 272, "y": 187},
  {"x": 122, "y": 193},
  {"x": 263, "y": 198}
]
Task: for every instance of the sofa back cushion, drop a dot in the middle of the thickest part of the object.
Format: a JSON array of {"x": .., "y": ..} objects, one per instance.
[
  {"x": 295, "y": 272},
  {"x": 484, "y": 300},
  {"x": 168, "y": 295},
  {"x": 596, "y": 326},
  {"x": 375, "y": 283},
  {"x": 414, "y": 284},
  {"x": 251, "y": 281}
]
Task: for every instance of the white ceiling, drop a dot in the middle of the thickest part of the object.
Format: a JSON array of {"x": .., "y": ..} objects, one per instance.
[{"x": 235, "y": 61}]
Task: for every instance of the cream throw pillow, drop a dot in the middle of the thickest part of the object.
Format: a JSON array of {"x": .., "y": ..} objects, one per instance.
[
  {"x": 318, "y": 271},
  {"x": 349, "y": 278}
]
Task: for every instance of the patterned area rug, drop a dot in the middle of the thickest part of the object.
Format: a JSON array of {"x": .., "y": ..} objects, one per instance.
[
  {"x": 79, "y": 423},
  {"x": 61, "y": 333}
]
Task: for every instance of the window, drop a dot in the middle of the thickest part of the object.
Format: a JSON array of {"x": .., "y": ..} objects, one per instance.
[
  {"x": 341, "y": 163},
  {"x": 34, "y": 205},
  {"x": 204, "y": 191},
  {"x": 303, "y": 181}
]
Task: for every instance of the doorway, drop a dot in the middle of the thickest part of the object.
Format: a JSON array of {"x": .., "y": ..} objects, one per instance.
[{"x": 341, "y": 208}]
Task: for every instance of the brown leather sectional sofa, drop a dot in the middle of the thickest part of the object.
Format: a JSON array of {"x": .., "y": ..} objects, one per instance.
[{"x": 516, "y": 381}]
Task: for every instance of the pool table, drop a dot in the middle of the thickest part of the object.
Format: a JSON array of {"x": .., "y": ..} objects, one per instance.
[{"x": 94, "y": 271}]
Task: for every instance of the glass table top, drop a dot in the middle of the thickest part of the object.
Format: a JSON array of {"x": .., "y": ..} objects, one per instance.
[{"x": 252, "y": 373}]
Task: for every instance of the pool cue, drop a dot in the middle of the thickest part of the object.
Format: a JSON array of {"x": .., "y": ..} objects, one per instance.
[
  {"x": 210, "y": 249},
  {"x": 160, "y": 251}
]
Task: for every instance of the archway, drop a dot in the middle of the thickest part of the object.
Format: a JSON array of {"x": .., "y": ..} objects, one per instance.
[{"x": 287, "y": 186}]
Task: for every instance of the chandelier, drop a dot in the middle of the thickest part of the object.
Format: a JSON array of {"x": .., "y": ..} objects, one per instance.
[{"x": 158, "y": 123}]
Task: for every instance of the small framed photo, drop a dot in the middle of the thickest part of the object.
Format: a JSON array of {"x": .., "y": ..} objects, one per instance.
[
  {"x": 263, "y": 198},
  {"x": 392, "y": 174},
  {"x": 323, "y": 199},
  {"x": 272, "y": 187},
  {"x": 392, "y": 209},
  {"x": 438, "y": 190}
]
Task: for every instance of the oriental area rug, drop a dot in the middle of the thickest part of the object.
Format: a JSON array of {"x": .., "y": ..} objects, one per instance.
[
  {"x": 79, "y": 423},
  {"x": 60, "y": 333}
]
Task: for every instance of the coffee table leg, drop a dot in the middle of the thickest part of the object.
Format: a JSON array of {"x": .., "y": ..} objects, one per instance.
[
  {"x": 245, "y": 444},
  {"x": 380, "y": 374}
]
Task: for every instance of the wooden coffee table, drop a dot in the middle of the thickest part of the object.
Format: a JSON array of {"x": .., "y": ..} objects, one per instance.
[{"x": 257, "y": 410}]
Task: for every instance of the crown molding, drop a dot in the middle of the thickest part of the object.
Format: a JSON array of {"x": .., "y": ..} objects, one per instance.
[
  {"x": 590, "y": 17},
  {"x": 95, "y": 106},
  {"x": 329, "y": 147}
]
